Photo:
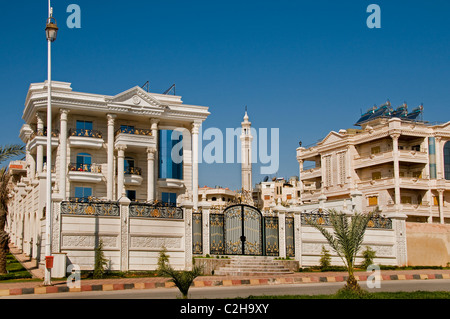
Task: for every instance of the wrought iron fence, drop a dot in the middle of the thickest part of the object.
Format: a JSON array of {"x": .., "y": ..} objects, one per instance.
[
  {"x": 197, "y": 234},
  {"x": 84, "y": 207},
  {"x": 272, "y": 247},
  {"x": 323, "y": 218},
  {"x": 216, "y": 234},
  {"x": 156, "y": 210},
  {"x": 133, "y": 171},
  {"x": 290, "y": 237}
]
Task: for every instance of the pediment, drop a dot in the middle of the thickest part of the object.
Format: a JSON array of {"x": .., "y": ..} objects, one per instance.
[
  {"x": 135, "y": 97},
  {"x": 332, "y": 137}
]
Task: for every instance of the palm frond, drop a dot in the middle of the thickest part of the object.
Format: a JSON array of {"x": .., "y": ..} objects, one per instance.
[{"x": 9, "y": 151}]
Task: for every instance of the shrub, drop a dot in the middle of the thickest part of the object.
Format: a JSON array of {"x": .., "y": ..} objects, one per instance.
[
  {"x": 368, "y": 255},
  {"x": 325, "y": 258}
]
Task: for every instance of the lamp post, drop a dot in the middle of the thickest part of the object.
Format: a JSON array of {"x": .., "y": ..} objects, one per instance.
[{"x": 51, "y": 31}]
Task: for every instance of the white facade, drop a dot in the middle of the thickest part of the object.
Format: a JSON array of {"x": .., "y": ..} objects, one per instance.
[{"x": 114, "y": 158}]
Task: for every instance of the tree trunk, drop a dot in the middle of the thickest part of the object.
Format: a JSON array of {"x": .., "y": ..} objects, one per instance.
[{"x": 4, "y": 250}]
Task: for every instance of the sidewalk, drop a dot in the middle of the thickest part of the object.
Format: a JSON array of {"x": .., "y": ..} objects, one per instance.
[{"x": 36, "y": 287}]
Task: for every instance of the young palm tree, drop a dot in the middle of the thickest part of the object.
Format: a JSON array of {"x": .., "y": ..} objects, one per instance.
[
  {"x": 6, "y": 152},
  {"x": 346, "y": 240}
]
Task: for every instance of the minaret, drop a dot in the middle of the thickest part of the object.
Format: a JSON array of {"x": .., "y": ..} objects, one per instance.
[{"x": 246, "y": 154}]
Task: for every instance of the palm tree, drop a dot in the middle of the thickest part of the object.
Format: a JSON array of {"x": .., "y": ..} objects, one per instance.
[
  {"x": 346, "y": 240},
  {"x": 6, "y": 152}
]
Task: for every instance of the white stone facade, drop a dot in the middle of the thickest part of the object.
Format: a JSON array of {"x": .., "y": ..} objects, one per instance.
[{"x": 120, "y": 149}]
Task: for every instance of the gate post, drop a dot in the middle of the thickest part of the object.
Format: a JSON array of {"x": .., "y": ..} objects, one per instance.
[
  {"x": 205, "y": 216},
  {"x": 187, "y": 212},
  {"x": 124, "y": 204}
]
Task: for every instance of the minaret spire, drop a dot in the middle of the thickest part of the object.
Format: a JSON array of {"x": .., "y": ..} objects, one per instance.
[{"x": 246, "y": 153}]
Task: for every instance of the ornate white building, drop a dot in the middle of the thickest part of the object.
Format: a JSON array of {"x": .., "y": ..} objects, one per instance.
[
  {"x": 399, "y": 165},
  {"x": 109, "y": 153}
]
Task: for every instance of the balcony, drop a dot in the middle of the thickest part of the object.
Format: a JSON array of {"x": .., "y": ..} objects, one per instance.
[
  {"x": 86, "y": 173},
  {"x": 311, "y": 173},
  {"x": 40, "y": 138},
  {"x": 82, "y": 138},
  {"x": 406, "y": 180},
  {"x": 135, "y": 138},
  {"x": 133, "y": 176},
  {"x": 387, "y": 156}
]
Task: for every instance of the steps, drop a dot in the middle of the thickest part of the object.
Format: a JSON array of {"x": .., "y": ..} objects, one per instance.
[{"x": 252, "y": 266}]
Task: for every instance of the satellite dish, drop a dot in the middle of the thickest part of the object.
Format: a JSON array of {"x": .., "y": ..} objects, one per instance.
[{"x": 266, "y": 178}]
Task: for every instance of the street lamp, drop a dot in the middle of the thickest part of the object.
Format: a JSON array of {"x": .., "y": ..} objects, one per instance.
[{"x": 51, "y": 31}]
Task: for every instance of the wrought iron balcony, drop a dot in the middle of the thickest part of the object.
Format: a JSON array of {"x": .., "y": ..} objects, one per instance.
[
  {"x": 85, "y": 133},
  {"x": 87, "y": 206},
  {"x": 156, "y": 209},
  {"x": 133, "y": 171},
  {"x": 134, "y": 131},
  {"x": 90, "y": 168},
  {"x": 43, "y": 132}
]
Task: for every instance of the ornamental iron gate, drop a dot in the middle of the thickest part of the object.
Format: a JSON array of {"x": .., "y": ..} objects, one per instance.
[{"x": 242, "y": 230}]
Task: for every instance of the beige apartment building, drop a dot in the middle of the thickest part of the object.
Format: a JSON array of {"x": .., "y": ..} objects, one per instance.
[
  {"x": 398, "y": 164},
  {"x": 269, "y": 193}
]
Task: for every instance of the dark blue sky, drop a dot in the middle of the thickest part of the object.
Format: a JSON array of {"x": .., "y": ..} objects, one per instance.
[{"x": 305, "y": 67}]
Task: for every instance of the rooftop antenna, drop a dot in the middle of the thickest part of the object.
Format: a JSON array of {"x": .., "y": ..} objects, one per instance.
[
  {"x": 147, "y": 86},
  {"x": 172, "y": 88}
]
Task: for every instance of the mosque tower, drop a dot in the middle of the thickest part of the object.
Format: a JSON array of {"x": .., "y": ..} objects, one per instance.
[{"x": 246, "y": 154}]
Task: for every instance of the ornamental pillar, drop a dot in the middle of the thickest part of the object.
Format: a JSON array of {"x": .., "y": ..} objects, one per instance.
[
  {"x": 120, "y": 170},
  {"x": 151, "y": 151},
  {"x": 63, "y": 153},
  {"x": 110, "y": 157},
  {"x": 195, "y": 131}
]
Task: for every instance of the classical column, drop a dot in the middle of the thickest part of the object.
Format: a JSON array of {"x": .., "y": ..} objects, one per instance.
[
  {"x": 195, "y": 130},
  {"x": 63, "y": 153},
  {"x": 395, "y": 137},
  {"x": 39, "y": 148},
  {"x": 441, "y": 205},
  {"x": 439, "y": 158},
  {"x": 110, "y": 157},
  {"x": 120, "y": 170},
  {"x": 151, "y": 151},
  {"x": 154, "y": 127}
]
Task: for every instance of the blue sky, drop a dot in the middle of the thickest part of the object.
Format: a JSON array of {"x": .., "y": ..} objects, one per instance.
[{"x": 305, "y": 67}]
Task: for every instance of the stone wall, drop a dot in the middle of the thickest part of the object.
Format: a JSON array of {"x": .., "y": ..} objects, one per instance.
[{"x": 428, "y": 244}]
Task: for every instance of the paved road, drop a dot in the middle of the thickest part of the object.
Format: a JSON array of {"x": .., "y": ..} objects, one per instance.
[{"x": 243, "y": 291}]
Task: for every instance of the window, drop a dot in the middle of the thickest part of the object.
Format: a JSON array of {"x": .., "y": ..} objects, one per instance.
[
  {"x": 447, "y": 160},
  {"x": 435, "y": 200},
  {"x": 376, "y": 175},
  {"x": 84, "y": 128},
  {"x": 417, "y": 174},
  {"x": 169, "y": 198},
  {"x": 266, "y": 197},
  {"x": 375, "y": 150},
  {"x": 131, "y": 194},
  {"x": 373, "y": 200},
  {"x": 84, "y": 162},
  {"x": 84, "y": 125},
  {"x": 83, "y": 192},
  {"x": 170, "y": 154}
]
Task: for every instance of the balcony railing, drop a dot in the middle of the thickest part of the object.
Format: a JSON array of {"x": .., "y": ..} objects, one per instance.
[
  {"x": 85, "y": 133},
  {"x": 135, "y": 131},
  {"x": 91, "y": 168},
  {"x": 133, "y": 171},
  {"x": 42, "y": 132}
]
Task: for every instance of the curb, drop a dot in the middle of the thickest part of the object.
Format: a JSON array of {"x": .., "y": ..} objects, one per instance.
[{"x": 209, "y": 283}]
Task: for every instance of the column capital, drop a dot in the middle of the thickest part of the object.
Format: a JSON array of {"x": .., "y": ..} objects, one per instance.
[
  {"x": 111, "y": 118},
  {"x": 121, "y": 147},
  {"x": 438, "y": 139},
  {"x": 151, "y": 151},
  {"x": 195, "y": 127},
  {"x": 64, "y": 113},
  {"x": 395, "y": 135},
  {"x": 154, "y": 122}
]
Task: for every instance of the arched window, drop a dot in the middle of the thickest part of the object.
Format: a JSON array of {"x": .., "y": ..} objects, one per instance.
[
  {"x": 84, "y": 162},
  {"x": 447, "y": 160}
]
